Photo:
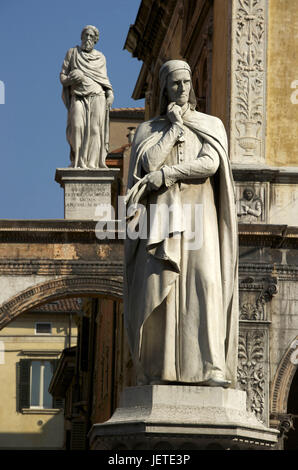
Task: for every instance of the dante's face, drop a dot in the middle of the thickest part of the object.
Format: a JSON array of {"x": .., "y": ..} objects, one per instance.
[
  {"x": 178, "y": 87},
  {"x": 88, "y": 40}
]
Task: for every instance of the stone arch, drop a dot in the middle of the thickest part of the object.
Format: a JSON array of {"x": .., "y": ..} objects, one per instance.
[
  {"x": 283, "y": 378},
  {"x": 59, "y": 288}
]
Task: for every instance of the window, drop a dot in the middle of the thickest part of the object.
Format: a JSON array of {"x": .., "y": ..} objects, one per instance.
[
  {"x": 43, "y": 328},
  {"x": 34, "y": 381},
  {"x": 40, "y": 376}
]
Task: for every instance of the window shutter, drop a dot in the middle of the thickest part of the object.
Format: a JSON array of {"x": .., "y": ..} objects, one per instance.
[
  {"x": 43, "y": 328},
  {"x": 84, "y": 353},
  {"x": 54, "y": 365},
  {"x": 24, "y": 384},
  {"x": 58, "y": 403},
  {"x": 78, "y": 435}
]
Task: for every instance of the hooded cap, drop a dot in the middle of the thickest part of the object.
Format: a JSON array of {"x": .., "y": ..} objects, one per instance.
[{"x": 167, "y": 68}]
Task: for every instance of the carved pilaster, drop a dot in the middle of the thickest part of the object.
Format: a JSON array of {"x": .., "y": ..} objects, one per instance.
[
  {"x": 252, "y": 374},
  {"x": 253, "y": 352},
  {"x": 248, "y": 80}
]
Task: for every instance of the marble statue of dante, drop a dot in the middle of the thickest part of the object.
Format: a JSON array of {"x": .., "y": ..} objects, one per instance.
[
  {"x": 180, "y": 302},
  {"x": 88, "y": 96}
]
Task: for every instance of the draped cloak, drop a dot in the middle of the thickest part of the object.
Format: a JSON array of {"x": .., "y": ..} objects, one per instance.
[
  {"x": 162, "y": 267},
  {"x": 93, "y": 66}
]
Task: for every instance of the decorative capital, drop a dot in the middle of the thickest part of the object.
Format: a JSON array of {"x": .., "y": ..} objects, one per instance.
[
  {"x": 284, "y": 422},
  {"x": 265, "y": 289}
]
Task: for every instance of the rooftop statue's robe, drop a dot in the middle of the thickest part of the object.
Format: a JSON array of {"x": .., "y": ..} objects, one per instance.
[
  {"x": 181, "y": 305},
  {"x": 86, "y": 105}
]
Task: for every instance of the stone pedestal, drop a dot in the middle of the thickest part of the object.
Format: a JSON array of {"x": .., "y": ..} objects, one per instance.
[
  {"x": 84, "y": 190},
  {"x": 166, "y": 417}
]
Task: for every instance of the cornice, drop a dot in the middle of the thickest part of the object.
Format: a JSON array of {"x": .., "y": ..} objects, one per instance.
[
  {"x": 114, "y": 269},
  {"x": 140, "y": 86},
  {"x": 69, "y": 231},
  {"x": 194, "y": 27},
  {"x": 127, "y": 113},
  {"x": 260, "y": 173},
  {"x": 145, "y": 36},
  {"x": 53, "y": 225},
  {"x": 283, "y": 272},
  {"x": 273, "y": 236},
  {"x": 50, "y": 231},
  {"x": 23, "y": 267}
]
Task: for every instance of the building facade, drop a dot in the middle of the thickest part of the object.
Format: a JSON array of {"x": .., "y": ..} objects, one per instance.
[
  {"x": 31, "y": 345},
  {"x": 91, "y": 376}
]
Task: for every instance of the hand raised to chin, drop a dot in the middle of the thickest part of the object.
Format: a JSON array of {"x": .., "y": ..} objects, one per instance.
[{"x": 174, "y": 113}]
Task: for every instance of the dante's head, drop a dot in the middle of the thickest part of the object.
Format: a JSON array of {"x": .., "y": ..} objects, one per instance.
[
  {"x": 175, "y": 85},
  {"x": 89, "y": 37}
]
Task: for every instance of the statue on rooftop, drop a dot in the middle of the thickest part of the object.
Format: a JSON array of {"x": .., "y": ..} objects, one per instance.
[{"x": 88, "y": 96}]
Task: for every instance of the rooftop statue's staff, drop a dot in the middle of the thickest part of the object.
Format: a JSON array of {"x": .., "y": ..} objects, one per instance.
[
  {"x": 88, "y": 96},
  {"x": 181, "y": 302}
]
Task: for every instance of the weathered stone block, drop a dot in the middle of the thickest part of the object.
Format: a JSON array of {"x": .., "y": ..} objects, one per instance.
[
  {"x": 85, "y": 190},
  {"x": 181, "y": 417}
]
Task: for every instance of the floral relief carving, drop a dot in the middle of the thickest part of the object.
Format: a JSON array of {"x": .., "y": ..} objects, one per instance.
[
  {"x": 249, "y": 76},
  {"x": 252, "y": 312},
  {"x": 251, "y": 373}
]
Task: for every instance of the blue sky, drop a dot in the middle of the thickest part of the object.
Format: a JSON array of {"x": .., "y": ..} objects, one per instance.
[{"x": 34, "y": 37}]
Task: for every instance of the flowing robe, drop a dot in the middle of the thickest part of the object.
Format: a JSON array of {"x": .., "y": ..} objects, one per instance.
[
  {"x": 181, "y": 304},
  {"x": 88, "y": 117}
]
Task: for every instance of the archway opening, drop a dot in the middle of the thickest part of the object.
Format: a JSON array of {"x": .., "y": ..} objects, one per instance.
[
  {"x": 291, "y": 440},
  {"x": 77, "y": 340},
  {"x": 32, "y": 343}
]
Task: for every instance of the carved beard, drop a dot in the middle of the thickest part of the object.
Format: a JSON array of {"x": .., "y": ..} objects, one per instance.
[{"x": 87, "y": 45}]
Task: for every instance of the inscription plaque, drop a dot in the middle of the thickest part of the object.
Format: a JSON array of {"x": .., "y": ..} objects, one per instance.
[{"x": 85, "y": 190}]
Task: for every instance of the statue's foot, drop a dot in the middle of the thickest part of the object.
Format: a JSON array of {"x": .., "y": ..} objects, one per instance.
[
  {"x": 143, "y": 380},
  {"x": 217, "y": 382}
]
